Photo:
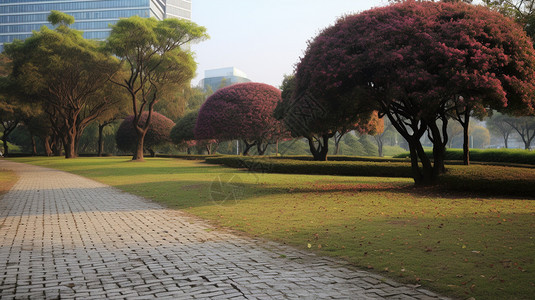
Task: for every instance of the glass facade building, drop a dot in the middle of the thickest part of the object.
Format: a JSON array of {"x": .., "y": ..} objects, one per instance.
[
  {"x": 218, "y": 78},
  {"x": 18, "y": 18}
]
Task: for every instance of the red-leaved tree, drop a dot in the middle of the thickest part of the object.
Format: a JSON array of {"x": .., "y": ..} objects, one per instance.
[
  {"x": 241, "y": 111},
  {"x": 418, "y": 61},
  {"x": 158, "y": 132}
]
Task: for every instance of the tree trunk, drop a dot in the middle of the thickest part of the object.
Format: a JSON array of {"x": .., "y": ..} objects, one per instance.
[
  {"x": 416, "y": 172},
  {"x": 57, "y": 145},
  {"x": 48, "y": 149},
  {"x": 261, "y": 148},
  {"x": 34, "y": 146},
  {"x": 247, "y": 147},
  {"x": 69, "y": 143},
  {"x": 320, "y": 152},
  {"x": 151, "y": 152},
  {"x": 379, "y": 140},
  {"x": 337, "y": 140},
  {"x": 6, "y": 147},
  {"x": 100, "y": 146},
  {"x": 506, "y": 140},
  {"x": 466, "y": 138},
  {"x": 69, "y": 146},
  {"x": 138, "y": 154},
  {"x": 428, "y": 174}
]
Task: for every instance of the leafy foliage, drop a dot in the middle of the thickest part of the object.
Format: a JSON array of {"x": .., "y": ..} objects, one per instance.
[
  {"x": 507, "y": 156},
  {"x": 155, "y": 62},
  {"x": 241, "y": 111},
  {"x": 63, "y": 72},
  {"x": 157, "y": 134},
  {"x": 183, "y": 131},
  {"x": 289, "y": 166},
  {"x": 417, "y": 60}
]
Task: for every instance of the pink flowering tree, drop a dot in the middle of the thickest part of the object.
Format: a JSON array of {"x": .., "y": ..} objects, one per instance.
[
  {"x": 157, "y": 134},
  {"x": 418, "y": 61},
  {"x": 241, "y": 111}
]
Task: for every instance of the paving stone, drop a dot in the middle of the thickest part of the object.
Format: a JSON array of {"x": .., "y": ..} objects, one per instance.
[{"x": 65, "y": 236}]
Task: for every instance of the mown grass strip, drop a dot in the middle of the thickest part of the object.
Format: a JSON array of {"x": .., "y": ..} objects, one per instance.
[{"x": 459, "y": 246}]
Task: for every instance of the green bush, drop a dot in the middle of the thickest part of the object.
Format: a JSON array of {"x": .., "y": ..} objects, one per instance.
[
  {"x": 343, "y": 158},
  {"x": 302, "y": 166},
  {"x": 188, "y": 156},
  {"x": 515, "y": 156},
  {"x": 478, "y": 179},
  {"x": 490, "y": 180}
]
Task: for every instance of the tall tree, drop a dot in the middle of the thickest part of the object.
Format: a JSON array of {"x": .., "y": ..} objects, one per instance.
[
  {"x": 12, "y": 111},
  {"x": 525, "y": 127},
  {"x": 155, "y": 62},
  {"x": 498, "y": 124},
  {"x": 414, "y": 60},
  {"x": 62, "y": 69}
]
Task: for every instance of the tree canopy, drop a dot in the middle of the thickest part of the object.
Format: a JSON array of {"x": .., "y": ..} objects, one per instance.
[
  {"x": 241, "y": 111},
  {"x": 157, "y": 62},
  {"x": 63, "y": 71},
  {"x": 415, "y": 60},
  {"x": 158, "y": 133}
]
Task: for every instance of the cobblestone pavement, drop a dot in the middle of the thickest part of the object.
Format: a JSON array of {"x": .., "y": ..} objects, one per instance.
[{"x": 65, "y": 236}]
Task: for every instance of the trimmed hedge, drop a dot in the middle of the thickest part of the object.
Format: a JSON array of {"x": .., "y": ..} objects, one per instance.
[
  {"x": 188, "y": 156},
  {"x": 343, "y": 158},
  {"x": 288, "y": 166},
  {"x": 490, "y": 180},
  {"x": 479, "y": 179},
  {"x": 515, "y": 156}
]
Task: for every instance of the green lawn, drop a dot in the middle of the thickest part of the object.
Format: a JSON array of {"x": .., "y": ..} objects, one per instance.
[
  {"x": 461, "y": 247},
  {"x": 7, "y": 180}
]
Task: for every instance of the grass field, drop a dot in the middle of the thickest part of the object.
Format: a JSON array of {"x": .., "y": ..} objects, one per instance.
[
  {"x": 7, "y": 180},
  {"x": 461, "y": 247}
]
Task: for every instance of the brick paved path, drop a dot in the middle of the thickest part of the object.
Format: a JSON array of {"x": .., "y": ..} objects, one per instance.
[{"x": 64, "y": 236}]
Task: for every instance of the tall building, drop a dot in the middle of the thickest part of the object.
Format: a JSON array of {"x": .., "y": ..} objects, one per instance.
[
  {"x": 218, "y": 78},
  {"x": 18, "y": 18}
]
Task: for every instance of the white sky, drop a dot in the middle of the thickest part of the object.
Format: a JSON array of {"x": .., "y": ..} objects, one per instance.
[{"x": 264, "y": 38}]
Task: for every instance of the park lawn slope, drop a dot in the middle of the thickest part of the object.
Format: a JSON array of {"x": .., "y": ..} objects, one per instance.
[{"x": 459, "y": 246}]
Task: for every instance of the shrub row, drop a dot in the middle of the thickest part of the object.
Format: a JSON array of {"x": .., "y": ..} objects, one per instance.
[
  {"x": 490, "y": 180},
  {"x": 480, "y": 179},
  {"x": 288, "y": 166},
  {"x": 343, "y": 158},
  {"x": 187, "y": 157},
  {"x": 515, "y": 156}
]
